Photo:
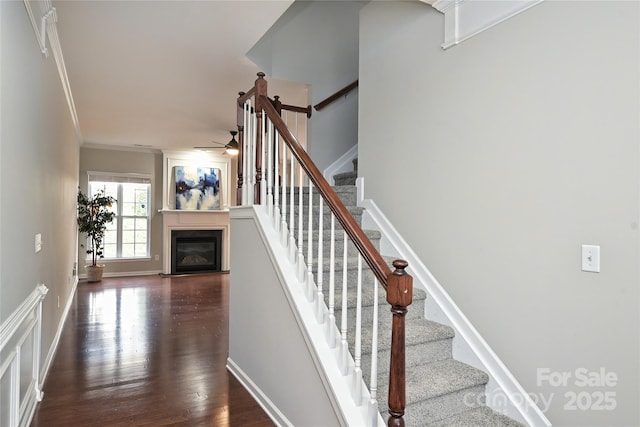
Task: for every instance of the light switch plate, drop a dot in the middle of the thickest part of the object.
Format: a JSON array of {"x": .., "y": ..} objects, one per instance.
[
  {"x": 38, "y": 242},
  {"x": 591, "y": 258}
]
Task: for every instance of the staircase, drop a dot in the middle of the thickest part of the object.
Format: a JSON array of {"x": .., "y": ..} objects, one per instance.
[
  {"x": 440, "y": 390},
  {"x": 363, "y": 319}
]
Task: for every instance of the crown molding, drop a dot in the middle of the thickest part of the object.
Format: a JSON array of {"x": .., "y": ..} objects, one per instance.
[
  {"x": 464, "y": 19},
  {"x": 43, "y": 19},
  {"x": 140, "y": 149}
]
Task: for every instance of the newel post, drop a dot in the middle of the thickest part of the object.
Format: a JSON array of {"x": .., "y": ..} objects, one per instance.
[
  {"x": 261, "y": 90},
  {"x": 240, "y": 124},
  {"x": 399, "y": 295}
]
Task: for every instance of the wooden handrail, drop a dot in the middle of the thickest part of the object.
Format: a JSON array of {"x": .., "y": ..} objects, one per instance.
[
  {"x": 245, "y": 96},
  {"x": 345, "y": 90},
  {"x": 279, "y": 106},
  {"x": 369, "y": 253},
  {"x": 307, "y": 110}
]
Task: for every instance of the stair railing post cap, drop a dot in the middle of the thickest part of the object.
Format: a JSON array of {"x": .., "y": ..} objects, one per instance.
[
  {"x": 400, "y": 265},
  {"x": 399, "y": 287}
]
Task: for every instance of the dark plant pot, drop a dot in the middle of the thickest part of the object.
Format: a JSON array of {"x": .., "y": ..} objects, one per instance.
[{"x": 94, "y": 272}]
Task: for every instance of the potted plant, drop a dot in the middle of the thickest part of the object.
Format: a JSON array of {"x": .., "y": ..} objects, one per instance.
[{"x": 93, "y": 216}]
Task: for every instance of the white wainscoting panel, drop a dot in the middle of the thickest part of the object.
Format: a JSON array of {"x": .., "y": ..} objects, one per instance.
[{"x": 20, "y": 387}]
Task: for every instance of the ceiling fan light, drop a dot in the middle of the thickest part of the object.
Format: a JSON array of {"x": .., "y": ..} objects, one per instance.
[{"x": 232, "y": 146}]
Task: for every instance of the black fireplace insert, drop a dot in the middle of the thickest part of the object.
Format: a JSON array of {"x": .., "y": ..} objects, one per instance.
[{"x": 196, "y": 251}]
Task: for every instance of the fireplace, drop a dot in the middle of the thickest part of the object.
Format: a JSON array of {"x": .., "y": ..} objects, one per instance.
[{"x": 196, "y": 251}]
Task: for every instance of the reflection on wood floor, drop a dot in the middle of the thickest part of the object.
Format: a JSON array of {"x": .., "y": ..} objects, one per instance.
[{"x": 147, "y": 351}]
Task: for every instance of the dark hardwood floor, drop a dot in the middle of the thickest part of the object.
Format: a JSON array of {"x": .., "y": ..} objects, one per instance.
[{"x": 147, "y": 351}]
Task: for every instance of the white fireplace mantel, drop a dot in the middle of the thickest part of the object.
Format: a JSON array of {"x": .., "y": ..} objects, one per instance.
[{"x": 194, "y": 220}]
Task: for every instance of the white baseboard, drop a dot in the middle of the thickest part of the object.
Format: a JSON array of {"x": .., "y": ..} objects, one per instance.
[
  {"x": 265, "y": 403},
  {"x": 343, "y": 164},
  {"x": 126, "y": 274},
  {"x": 56, "y": 339},
  {"x": 469, "y": 346},
  {"x": 30, "y": 411}
]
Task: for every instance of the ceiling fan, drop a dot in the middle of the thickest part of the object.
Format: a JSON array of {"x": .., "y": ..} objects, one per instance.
[{"x": 231, "y": 147}]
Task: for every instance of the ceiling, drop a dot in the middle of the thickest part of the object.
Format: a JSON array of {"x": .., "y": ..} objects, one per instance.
[{"x": 163, "y": 74}]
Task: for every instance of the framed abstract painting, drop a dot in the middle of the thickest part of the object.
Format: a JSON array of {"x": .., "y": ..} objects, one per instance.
[{"x": 197, "y": 188}]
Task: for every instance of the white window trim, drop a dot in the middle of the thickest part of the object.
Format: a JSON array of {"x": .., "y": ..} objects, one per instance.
[{"x": 130, "y": 177}]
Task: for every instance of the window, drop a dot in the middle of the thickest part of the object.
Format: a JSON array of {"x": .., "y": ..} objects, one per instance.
[{"x": 128, "y": 235}]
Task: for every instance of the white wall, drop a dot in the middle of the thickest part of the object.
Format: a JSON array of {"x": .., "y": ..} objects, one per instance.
[
  {"x": 514, "y": 149},
  {"x": 316, "y": 43},
  {"x": 38, "y": 174}
]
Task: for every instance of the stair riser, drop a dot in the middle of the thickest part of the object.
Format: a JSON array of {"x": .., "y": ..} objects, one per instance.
[{"x": 348, "y": 180}]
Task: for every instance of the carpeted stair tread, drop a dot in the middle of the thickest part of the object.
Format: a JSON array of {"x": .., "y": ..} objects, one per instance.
[
  {"x": 418, "y": 331},
  {"x": 439, "y": 379},
  {"x": 482, "y": 416},
  {"x": 427, "y": 342}
]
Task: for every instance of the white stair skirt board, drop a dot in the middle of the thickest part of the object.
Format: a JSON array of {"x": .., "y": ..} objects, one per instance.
[
  {"x": 464, "y": 19},
  {"x": 343, "y": 164},
  {"x": 338, "y": 387},
  {"x": 468, "y": 346}
]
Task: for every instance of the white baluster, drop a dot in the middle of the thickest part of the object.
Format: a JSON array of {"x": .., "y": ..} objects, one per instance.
[
  {"x": 331, "y": 334},
  {"x": 320, "y": 296},
  {"x": 268, "y": 171},
  {"x": 373, "y": 386},
  {"x": 277, "y": 185},
  {"x": 250, "y": 139},
  {"x": 263, "y": 181},
  {"x": 283, "y": 216},
  {"x": 245, "y": 156},
  {"x": 292, "y": 241},
  {"x": 357, "y": 372},
  {"x": 344, "y": 349},
  {"x": 251, "y": 170},
  {"x": 301, "y": 265},
  {"x": 310, "y": 284}
]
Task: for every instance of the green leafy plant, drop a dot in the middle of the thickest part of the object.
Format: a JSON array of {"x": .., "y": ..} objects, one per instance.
[{"x": 93, "y": 216}]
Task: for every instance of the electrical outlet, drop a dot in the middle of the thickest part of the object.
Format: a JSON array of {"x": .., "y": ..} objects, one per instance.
[
  {"x": 157, "y": 257},
  {"x": 591, "y": 258}
]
